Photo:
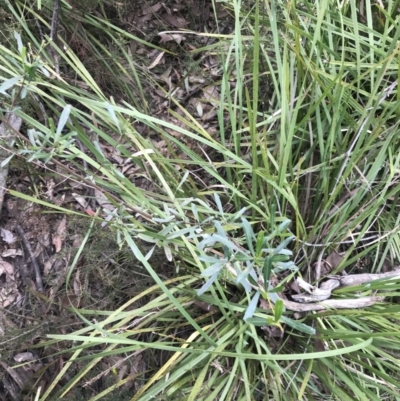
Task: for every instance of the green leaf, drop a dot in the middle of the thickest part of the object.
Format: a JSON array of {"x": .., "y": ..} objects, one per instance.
[
  {"x": 259, "y": 243},
  {"x": 267, "y": 269},
  {"x": 295, "y": 324},
  {"x": 20, "y": 46},
  {"x": 213, "y": 269},
  {"x": 111, "y": 111},
  {"x": 272, "y": 216},
  {"x": 249, "y": 235},
  {"x": 279, "y": 288},
  {"x": 283, "y": 226},
  {"x": 218, "y": 203},
  {"x": 6, "y": 161},
  {"x": 279, "y": 258},
  {"x": 9, "y": 83},
  {"x": 207, "y": 284},
  {"x": 252, "y": 306},
  {"x": 284, "y": 244},
  {"x": 63, "y": 121},
  {"x": 278, "y": 310}
]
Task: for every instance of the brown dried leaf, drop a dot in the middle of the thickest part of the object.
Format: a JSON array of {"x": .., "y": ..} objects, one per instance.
[
  {"x": 80, "y": 199},
  {"x": 146, "y": 9},
  {"x": 50, "y": 189},
  {"x": 210, "y": 115},
  {"x": 194, "y": 79},
  {"x": 77, "y": 286},
  {"x": 174, "y": 20},
  {"x": 59, "y": 236},
  {"x": 199, "y": 109},
  {"x": 167, "y": 37},
  {"x": 166, "y": 77},
  {"x": 156, "y": 61},
  {"x": 12, "y": 253},
  {"x": 7, "y": 268},
  {"x": 17, "y": 377},
  {"x": 24, "y": 357},
  {"x": 159, "y": 144},
  {"x": 59, "y": 268},
  {"x": 48, "y": 265},
  {"x": 319, "y": 344},
  {"x": 9, "y": 294},
  {"x": 57, "y": 242},
  {"x": 61, "y": 227},
  {"x": 69, "y": 299},
  {"x": 332, "y": 261},
  {"x": 211, "y": 94},
  {"x": 7, "y": 236},
  {"x": 103, "y": 201},
  {"x": 274, "y": 331}
]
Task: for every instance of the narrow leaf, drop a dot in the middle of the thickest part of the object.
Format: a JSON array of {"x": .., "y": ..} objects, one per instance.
[
  {"x": 6, "y": 161},
  {"x": 113, "y": 116},
  {"x": 283, "y": 226},
  {"x": 63, "y": 120},
  {"x": 207, "y": 285},
  {"x": 168, "y": 253},
  {"x": 259, "y": 242},
  {"x": 150, "y": 253},
  {"x": 295, "y": 324},
  {"x": 8, "y": 83},
  {"x": 17, "y": 36},
  {"x": 278, "y": 310},
  {"x": 286, "y": 265},
  {"x": 252, "y": 306},
  {"x": 218, "y": 203},
  {"x": 284, "y": 243},
  {"x": 267, "y": 268},
  {"x": 239, "y": 214},
  {"x": 219, "y": 228},
  {"x": 213, "y": 269},
  {"x": 249, "y": 234}
]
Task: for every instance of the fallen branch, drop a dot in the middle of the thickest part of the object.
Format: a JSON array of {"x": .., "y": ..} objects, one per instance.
[
  {"x": 316, "y": 299},
  {"x": 332, "y": 304},
  {"x": 357, "y": 279},
  {"x": 28, "y": 248}
]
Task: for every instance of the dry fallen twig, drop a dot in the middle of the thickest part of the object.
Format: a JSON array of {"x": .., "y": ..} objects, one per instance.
[
  {"x": 332, "y": 304},
  {"x": 28, "y": 248},
  {"x": 333, "y": 283}
]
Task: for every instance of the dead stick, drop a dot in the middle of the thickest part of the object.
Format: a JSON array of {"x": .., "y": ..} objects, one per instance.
[
  {"x": 333, "y": 304},
  {"x": 358, "y": 279},
  {"x": 35, "y": 264}
]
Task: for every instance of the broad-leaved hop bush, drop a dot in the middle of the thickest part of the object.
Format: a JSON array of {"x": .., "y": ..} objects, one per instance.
[{"x": 249, "y": 259}]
